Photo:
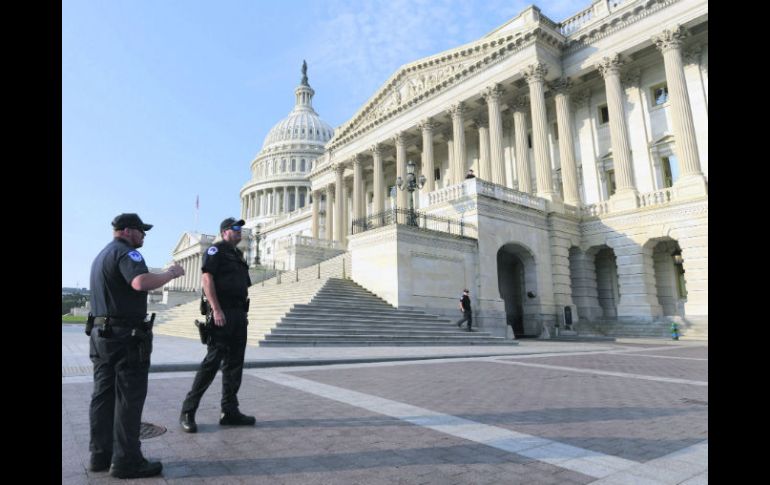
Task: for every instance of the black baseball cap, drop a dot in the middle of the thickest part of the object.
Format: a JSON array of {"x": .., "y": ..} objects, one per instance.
[
  {"x": 230, "y": 222},
  {"x": 132, "y": 220}
]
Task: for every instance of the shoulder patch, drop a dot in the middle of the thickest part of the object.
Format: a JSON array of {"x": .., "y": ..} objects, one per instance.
[
  {"x": 212, "y": 251},
  {"x": 135, "y": 256}
]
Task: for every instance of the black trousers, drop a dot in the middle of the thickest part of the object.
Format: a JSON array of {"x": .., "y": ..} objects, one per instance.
[
  {"x": 466, "y": 317},
  {"x": 228, "y": 348},
  {"x": 120, "y": 388}
]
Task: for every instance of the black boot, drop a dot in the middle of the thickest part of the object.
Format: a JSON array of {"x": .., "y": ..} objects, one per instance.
[
  {"x": 142, "y": 469},
  {"x": 187, "y": 420},
  {"x": 236, "y": 418},
  {"x": 100, "y": 462}
]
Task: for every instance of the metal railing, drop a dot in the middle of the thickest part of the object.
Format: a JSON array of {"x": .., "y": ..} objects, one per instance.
[{"x": 416, "y": 219}]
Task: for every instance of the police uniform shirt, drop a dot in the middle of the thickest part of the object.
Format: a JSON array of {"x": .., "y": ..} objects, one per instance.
[
  {"x": 111, "y": 274},
  {"x": 466, "y": 303},
  {"x": 230, "y": 271}
]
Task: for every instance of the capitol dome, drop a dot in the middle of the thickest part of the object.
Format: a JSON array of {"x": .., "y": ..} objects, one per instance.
[{"x": 303, "y": 125}]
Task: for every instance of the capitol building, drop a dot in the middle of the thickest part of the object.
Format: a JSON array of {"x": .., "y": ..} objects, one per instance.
[{"x": 588, "y": 138}]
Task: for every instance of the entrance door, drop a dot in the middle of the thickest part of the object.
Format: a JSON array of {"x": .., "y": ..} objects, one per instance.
[{"x": 510, "y": 277}]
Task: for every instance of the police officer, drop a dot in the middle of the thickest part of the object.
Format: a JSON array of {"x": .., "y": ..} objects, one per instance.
[
  {"x": 225, "y": 282},
  {"x": 121, "y": 342}
]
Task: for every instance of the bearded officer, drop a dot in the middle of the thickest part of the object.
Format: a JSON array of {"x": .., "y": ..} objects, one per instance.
[{"x": 225, "y": 282}]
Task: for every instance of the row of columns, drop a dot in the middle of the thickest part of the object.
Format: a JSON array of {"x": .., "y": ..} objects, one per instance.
[
  {"x": 273, "y": 201},
  {"x": 491, "y": 159},
  {"x": 192, "y": 272}
]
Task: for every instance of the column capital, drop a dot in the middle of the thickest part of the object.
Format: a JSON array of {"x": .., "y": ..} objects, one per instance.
[
  {"x": 338, "y": 168},
  {"x": 520, "y": 103},
  {"x": 670, "y": 38},
  {"x": 631, "y": 77},
  {"x": 692, "y": 55},
  {"x": 399, "y": 138},
  {"x": 427, "y": 125},
  {"x": 610, "y": 65},
  {"x": 356, "y": 159},
  {"x": 535, "y": 73},
  {"x": 456, "y": 110},
  {"x": 581, "y": 98},
  {"x": 376, "y": 149},
  {"x": 479, "y": 122},
  {"x": 492, "y": 93},
  {"x": 563, "y": 85}
]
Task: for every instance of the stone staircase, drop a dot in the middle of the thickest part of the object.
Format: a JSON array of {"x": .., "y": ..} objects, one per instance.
[
  {"x": 657, "y": 329},
  {"x": 343, "y": 313}
]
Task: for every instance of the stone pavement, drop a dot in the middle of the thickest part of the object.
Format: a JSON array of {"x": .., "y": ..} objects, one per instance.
[{"x": 540, "y": 412}]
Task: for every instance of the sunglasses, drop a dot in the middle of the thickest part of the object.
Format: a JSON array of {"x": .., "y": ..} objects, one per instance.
[
  {"x": 235, "y": 228},
  {"x": 137, "y": 229}
]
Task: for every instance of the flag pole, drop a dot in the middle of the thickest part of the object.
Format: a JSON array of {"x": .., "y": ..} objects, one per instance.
[{"x": 197, "y": 206}]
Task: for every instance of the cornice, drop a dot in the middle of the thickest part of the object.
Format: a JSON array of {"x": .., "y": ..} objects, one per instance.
[
  {"x": 423, "y": 80},
  {"x": 613, "y": 23},
  {"x": 672, "y": 213}
]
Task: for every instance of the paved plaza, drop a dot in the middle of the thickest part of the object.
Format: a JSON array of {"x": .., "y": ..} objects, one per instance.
[{"x": 542, "y": 412}]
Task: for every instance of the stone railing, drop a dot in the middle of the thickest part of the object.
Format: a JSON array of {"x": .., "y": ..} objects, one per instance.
[
  {"x": 595, "y": 210},
  {"x": 663, "y": 196},
  {"x": 297, "y": 240},
  {"x": 577, "y": 21},
  {"x": 476, "y": 186},
  {"x": 596, "y": 11},
  {"x": 295, "y": 214}
]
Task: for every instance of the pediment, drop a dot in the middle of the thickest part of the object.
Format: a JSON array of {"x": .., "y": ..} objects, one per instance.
[
  {"x": 186, "y": 241},
  {"x": 420, "y": 80}
]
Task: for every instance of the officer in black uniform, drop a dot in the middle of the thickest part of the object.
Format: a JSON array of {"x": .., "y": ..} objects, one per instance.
[
  {"x": 225, "y": 282},
  {"x": 120, "y": 347}
]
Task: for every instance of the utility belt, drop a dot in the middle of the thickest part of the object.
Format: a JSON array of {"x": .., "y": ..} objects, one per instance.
[{"x": 141, "y": 331}]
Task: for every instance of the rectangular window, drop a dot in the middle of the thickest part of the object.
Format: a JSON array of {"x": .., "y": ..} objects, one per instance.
[
  {"x": 529, "y": 140},
  {"x": 555, "y": 131},
  {"x": 659, "y": 94},
  {"x": 610, "y": 182},
  {"x": 437, "y": 174},
  {"x": 604, "y": 114},
  {"x": 669, "y": 170}
]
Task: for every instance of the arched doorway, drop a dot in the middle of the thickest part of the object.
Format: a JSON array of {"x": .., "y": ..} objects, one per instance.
[
  {"x": 607, "y": 282},
  {"x": 669, "y": 275},
  {"x": 516, "y": 277}
]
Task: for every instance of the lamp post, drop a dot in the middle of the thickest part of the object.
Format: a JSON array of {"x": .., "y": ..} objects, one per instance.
[
  {"x": 256, "y": 238},
  {"x": 410, "y": 184}
]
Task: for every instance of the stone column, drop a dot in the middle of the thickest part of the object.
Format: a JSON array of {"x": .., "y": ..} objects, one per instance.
[
  {"x": 566, "y": 147},
  {"x": 285, "y": 200},
  {"x": 329, "y": 227},
  {"x": 522, "y": 146},
  {"x": 314, "y": 220},
  {"x": 584, "y": 288},
  {"x": 339, "y": 169},
  {"x": 458, "y": 133},
  {"x": 535, "y": 75},
  {"x": 492, "y": 97},
  {"x": 636, "y": 279},
  {"x": 450, "y": 146},
  {"x": 485, "y": 169},
  {"x": 346, "y": 207},
  {"x": 401, "y": 201},
  {"x": 691, "y": 180},
  {"x": 296, "y": 197},
  {"x": 379, "y": 180},
  {"x": 625, "y": 195},
  {"x": 426, "y": 126},
  {"x": 358, "y": 189},
  {"x": 245, "y": 207}
]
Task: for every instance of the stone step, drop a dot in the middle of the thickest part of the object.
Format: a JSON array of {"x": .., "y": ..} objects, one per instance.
[{"x": 384, "y": 343}]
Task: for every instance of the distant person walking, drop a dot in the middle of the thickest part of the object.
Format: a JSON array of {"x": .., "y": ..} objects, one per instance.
[
  {"x": 120, "y": 349},
  {"x": 225, "y": 282},
  {"x": 465, "y": 307},
  {"x": 469, "y": 174}
]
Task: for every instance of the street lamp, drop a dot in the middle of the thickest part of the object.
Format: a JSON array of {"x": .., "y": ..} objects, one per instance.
[
  {"x": 256, "y": 238},
  {"x": 410, "y": 185}
]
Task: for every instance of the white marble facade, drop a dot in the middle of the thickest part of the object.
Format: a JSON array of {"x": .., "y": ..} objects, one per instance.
[{"x": 589, "y": 139}]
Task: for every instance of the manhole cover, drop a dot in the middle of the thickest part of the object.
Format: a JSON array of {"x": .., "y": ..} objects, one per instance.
[{"x": 149, "y": 430}]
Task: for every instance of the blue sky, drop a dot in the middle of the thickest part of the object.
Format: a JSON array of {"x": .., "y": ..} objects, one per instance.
[{"x": 166, "y": 100}]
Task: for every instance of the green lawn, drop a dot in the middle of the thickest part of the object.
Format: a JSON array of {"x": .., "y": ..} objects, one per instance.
[{"x": 73, "y": 319}]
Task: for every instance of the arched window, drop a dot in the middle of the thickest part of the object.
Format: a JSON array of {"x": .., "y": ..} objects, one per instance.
[
  {"x": 302, "y": 165},
  {"x": 283, "y": 165},
  {"x": 293, "y": 164}
]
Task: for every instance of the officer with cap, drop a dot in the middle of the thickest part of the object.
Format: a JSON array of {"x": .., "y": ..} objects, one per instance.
[
  {"x": 120, "y": 347},
  {"x": 225, "y": 282}
]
